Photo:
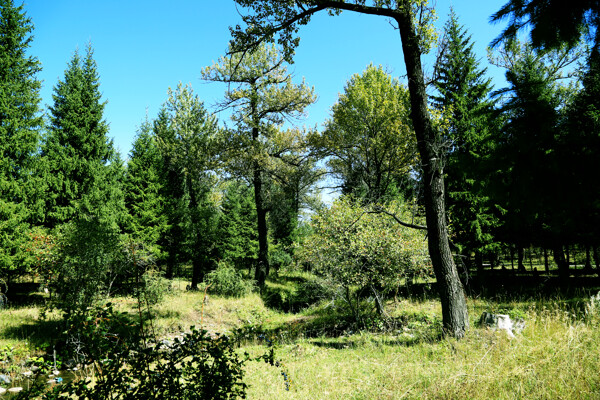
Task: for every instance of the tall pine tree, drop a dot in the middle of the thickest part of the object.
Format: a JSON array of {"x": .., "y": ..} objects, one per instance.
[
  {"x": 462, "y": 95},
  {"x": 20, "y": 123}
]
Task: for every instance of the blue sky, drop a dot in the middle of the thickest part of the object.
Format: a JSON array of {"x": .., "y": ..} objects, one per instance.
[{"x": 144, "y": 47}]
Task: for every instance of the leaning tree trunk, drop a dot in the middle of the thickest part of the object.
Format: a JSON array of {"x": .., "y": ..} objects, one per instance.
[{"x": 452, "y": 296}]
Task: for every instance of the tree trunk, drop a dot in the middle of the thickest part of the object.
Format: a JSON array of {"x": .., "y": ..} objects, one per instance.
[
  {"x": 588, "y": 259},
  {"x": 521, "y": 256},
  {"x": 561, "y": 262},
  {"x": 452, "y": 296},
  {"x": 546, "y": 266},
  {"x": 262, "y": 266},
  {"x": 197, "y": 273}
]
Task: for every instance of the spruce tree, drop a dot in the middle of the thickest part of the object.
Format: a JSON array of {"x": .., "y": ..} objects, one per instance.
[
  {"x": 462, "y": 95},
  {"x": 144, "y": 190},
  {"x": 77, "y": 152},
  {"x": 20, "y": 123}
]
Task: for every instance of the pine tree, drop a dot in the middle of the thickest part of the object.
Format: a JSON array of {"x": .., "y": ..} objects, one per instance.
[
  {"x": 20, "y": 123},
  {"x": 144, "y": 190},
  {"x": 462, "y": 95},
  {"x": 77, "y": 152}
]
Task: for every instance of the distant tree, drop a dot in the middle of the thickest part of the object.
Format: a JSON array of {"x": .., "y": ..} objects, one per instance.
[
  {"x": 82, "y": 169},
  {"x": 369, "y": 142},
  {"x": 262, "y": 95},
  {"x": 462, "y": 96},
  {"x": 186, "y": 138},
  {"x": 529, "y": 179},
  {"x": 144, "y": 189},
  {"x": 237, "y": 234},
  {"x": 579, "y": 151},
  {"x": 20, "y": 123}
]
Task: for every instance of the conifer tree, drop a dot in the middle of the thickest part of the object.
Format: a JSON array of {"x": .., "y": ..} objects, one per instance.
[
  {"x": 77, "y": 153},
  {"x": 144, "y": 190},
  {"x": 20, "y": 123},
  {"x": 186, "y": 134},
  {"x": 237, "y": 237},
  {"x": 462, "y": 96},
  {"x": 262, "y": 95}
]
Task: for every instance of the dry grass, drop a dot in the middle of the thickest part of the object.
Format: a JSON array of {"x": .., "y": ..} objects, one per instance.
[{"x": 556, "y": 357}]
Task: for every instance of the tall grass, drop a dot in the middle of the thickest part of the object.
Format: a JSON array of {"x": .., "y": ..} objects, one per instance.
[{"x": 557, "y": 356}]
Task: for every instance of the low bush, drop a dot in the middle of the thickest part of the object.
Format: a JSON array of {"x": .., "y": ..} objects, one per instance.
[{"x": 227, "y": 281}]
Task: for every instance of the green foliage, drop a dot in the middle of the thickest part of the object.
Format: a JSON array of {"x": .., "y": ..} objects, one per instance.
[
  {"x": 370, "y": 252},
  {"x": 83, "y": 172},
  {"x": 237, "y": 236},
  {"x": 262, "y": 96},
  {"x": 369, "y": 141},
  {"x": 462, "y": 97},
  {"x": 154, "y": 287},
  {"x": 127, "y": 366},
  {"x": 144, "y": 190},
  {"x": 225, "y": 280},
  {"x": 85, "y": 273},
  {"x": 20, "y": 123},
  {"x": 527, "y": 179},
  {"x": 187, "y": 136}
]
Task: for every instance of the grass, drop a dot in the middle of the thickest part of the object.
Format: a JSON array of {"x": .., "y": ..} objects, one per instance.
[{"x": 556, "y": 357}]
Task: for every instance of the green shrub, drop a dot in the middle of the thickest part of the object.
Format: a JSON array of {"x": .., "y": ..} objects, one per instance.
[
  {"x": 154, "y": 287},
  {"x": 197, "y": 366},
  {"x": 314, "y": 291},
  {"x": 227, "y": 281}
]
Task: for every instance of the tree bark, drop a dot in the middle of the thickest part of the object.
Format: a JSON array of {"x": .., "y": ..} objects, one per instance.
[{"x": 452, "y": 296}]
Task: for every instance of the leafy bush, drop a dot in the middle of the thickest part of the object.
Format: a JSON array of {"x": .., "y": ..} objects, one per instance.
[
  {"x": 357, "y": 248},
  {"x": 127, "y": 367},
  {"x": 91, "y": 256},
  {"x": 315, "y": 290},
  {"x": 154, "y": 287},
  {"x": 225, "y": 280}
]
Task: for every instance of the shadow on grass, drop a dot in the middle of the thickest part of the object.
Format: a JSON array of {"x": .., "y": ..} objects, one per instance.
[{"x": 39, "y": 333}]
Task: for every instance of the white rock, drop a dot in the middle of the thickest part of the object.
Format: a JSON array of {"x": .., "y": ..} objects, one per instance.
[
  {"x": 2, "y": 390},
  {"x": 15, "y": 389}
]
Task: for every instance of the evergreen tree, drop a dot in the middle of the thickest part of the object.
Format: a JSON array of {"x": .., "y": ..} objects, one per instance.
[
  {"x": 186, "y": 135},
  {"x": 528, "y": 177},
  {"x": 579, "y": 150},
  {"x": 237, "y": 238},
  {"x": 462, "y": 95},
  {"x": 78, "y": 156},
  {"x": 144, "y": 190},
  {"x": 20, "y": 123}
]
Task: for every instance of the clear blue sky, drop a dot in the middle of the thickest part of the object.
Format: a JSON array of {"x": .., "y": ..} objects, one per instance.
[{"x": 144, "y": 47}]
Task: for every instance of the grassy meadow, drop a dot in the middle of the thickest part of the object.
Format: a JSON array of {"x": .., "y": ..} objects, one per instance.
[{"x": 557, "y": 356}]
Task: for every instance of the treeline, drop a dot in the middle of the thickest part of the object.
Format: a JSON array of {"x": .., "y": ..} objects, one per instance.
[{"x": 519, "y": 163}]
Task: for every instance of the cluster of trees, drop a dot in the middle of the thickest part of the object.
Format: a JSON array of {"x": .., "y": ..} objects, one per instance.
[{"x": 479, "y": 170}]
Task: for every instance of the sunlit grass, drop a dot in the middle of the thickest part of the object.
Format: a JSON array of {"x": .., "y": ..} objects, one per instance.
[{"x": 557, "y": 356}]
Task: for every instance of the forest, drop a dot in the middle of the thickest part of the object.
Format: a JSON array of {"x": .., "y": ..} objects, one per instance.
[{"x": 251, "y": 256}]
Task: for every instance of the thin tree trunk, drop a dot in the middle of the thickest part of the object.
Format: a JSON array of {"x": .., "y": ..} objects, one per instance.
[
  {"x": 452, "y": 296},
  {"x": 197, "y": 273},
  {"x": 588, "y": 258},
  {"x": 546, "y": 265},
  {"x": 521, "y": 256},
  {"x": 561, "y": 262}
]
